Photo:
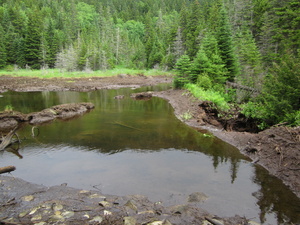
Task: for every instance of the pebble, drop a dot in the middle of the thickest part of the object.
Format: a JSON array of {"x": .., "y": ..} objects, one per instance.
[
  {"x": 97, "y": 196},
  {"x": 252, "y": 223},
  {"x": 27, "y": 198},
  {"x": 104, "y": 204},
  {"x": 107, "y": 213},
  {"x": 57, "y": 207},
  {"x": 97, "y": 219},
  {"x": 68, "y": 214},
  {"x": 36, "y": 217},
  {"x": 128, "y": 220},
  {"x": 34, "y": 210},
  {"x": 56, "y": 218}
]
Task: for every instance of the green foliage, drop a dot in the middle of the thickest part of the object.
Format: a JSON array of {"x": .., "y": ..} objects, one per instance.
[
  {"x": 3, "y": 57},
  {"x": 209, "y": 95},
  {"x": 208, "y": 61},
  {"x": 279, "y": 101},
  {"x": 224, "y": 37},
  {"x": 33, "y": 41},
  {"x": 8, "y": 108},
  {"x": 204, "y": 81},
  {"x": 183, "y": 71},
  {"x": 288, "y": 21}
]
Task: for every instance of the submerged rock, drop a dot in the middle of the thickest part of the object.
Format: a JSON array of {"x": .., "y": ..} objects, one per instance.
[{"x": 197, "y": 197}]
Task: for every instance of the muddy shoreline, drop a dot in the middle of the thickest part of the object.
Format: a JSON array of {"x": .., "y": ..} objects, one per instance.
[{"x": 276, "y": 149}]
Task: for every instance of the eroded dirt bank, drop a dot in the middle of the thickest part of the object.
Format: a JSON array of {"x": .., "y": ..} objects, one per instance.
[{"x": 276, "y": 149}]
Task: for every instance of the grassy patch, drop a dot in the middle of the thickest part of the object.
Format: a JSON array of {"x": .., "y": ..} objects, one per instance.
[
  {"x": 209, "y": 95},
  {"x": 51, "y": 73}
]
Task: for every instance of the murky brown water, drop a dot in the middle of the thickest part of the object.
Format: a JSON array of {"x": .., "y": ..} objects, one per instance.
[{"x": 139, "y": 147}]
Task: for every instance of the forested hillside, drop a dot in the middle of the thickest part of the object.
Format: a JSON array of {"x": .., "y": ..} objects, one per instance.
[{"x": 254, "y": 43}]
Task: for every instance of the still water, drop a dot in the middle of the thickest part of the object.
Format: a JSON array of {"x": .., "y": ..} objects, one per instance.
[{"x": 139, "y": 147}]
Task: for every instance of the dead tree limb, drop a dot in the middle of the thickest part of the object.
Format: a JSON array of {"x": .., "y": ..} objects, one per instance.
[
  {"x": 242, "y": 87},
  {"x": 6, "y": 141},
  {"x": 7, "y": 169}
]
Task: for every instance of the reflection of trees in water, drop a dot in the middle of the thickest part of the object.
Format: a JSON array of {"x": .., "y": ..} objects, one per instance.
[
  {"x": 234, "y": 164},
  {"x": 275, "y": 198}
]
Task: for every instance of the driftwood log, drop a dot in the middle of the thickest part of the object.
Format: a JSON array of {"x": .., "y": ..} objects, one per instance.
[
  {"x": 6, "y": 141},
  {"x": 7, "y": 169}
]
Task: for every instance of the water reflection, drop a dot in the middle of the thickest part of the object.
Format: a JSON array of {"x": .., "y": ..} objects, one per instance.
[
  {"x": 139, "y": 147},
  {"x": 274, "y": 200}
]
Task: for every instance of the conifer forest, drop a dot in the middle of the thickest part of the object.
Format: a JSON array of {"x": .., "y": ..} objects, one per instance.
[{"x": 206, "y": 43}]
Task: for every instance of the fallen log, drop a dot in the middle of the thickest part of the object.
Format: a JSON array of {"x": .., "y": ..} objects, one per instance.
[
  {"x": 6, "y": 141},
  {"x": 7, "y": 169},
  {"x": 242, "y": 87}
]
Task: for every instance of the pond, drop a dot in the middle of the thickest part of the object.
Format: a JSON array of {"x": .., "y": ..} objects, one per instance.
[{"x": 125, "y": 146}]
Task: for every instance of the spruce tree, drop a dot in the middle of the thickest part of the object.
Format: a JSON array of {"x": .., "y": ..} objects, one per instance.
[
  {"x": 2, "y": 49},
  {"x": 225, "y": 41},
  {"x": 208, "y": 61},
  {"x": 192, "y": 29},
  {"x": 250, "y": 59},
  {"x": 183, "y": 70},
  {"x": 33, "y": 41}
]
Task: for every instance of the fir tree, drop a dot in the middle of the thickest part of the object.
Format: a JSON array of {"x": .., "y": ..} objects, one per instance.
[
  {"x": 225, "y": 41},
  {"x": 208, "y": 61},
  {"x": 2, "y": 49},
  {"x": 192, "y": 29},
  {"x": 183, "y": 70},
  {"x": 33, "y": 41}
]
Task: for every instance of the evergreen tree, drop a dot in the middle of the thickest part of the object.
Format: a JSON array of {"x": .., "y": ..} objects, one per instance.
[
  {"x": 33, "y": 41},
  {"x": 192, "y": 29},
  {"x": 183, "y": 70},
  {"x": 8, "y": 41},
  {"x": 208, "y": 62},
  {"x": 250, "y": 59},
  {"x": 52, "y": 41},
  {"x": 288, "y": 26},
  {"x": 2, "y": 49},
  {"x": 225, "y": 41},
  {"x": 279, "y": 101}
]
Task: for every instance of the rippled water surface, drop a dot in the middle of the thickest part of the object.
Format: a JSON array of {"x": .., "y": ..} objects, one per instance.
[{"x": 139, "y": 147}]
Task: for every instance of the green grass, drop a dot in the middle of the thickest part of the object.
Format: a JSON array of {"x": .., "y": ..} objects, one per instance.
[
  {"x": 56, "y": 73},
  {"x": 208, "y": 95}
]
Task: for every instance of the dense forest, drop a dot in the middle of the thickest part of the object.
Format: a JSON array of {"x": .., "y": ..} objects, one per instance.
[{"x": 249, "y": 43}]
